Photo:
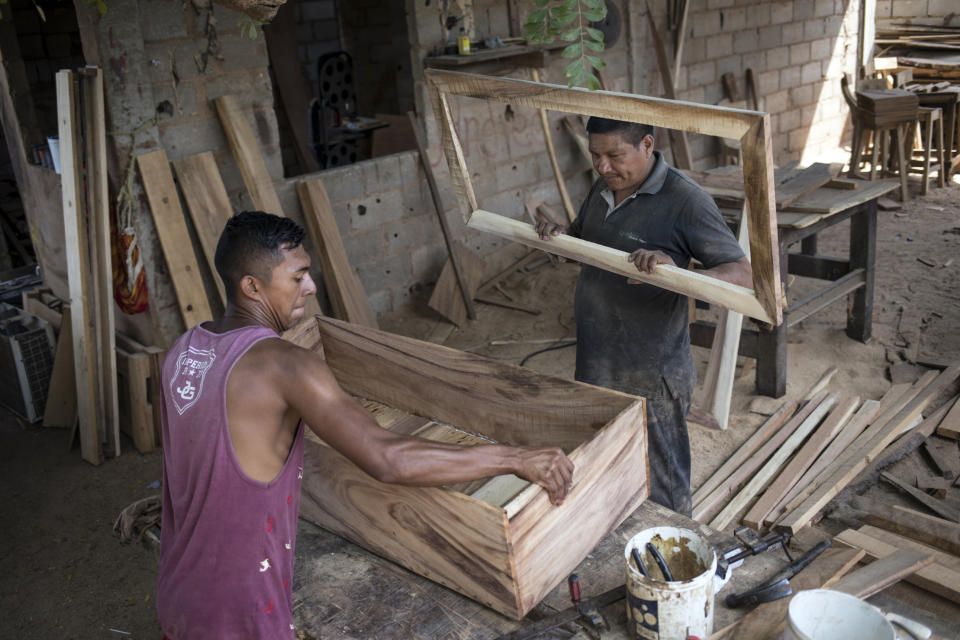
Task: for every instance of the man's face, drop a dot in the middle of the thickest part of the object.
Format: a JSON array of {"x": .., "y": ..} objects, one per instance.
[
  {"x": 290, "y": 284},
  {"x": 622, "y": 165}
]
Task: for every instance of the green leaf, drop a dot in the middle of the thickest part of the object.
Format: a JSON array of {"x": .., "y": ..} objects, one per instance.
[
  {"x": 537, "y": 17},
  {"x": 595, "y": 62},
  {"x": 594, "y": 4},
  {"x": 593, "y": 46},
  {"x": 593, "y": 83},
  {"x": 596, "y": 34},
  {"x": 595, "y": 16},
  {"x": 575, "y": 73},
  {"x": 570, "y": 5},
  {"x": 102, "y": 7},
  {"x": 540, "y": 4},
  {"x": 570, "y": 35},
  {"x": 572, "y": 50}
]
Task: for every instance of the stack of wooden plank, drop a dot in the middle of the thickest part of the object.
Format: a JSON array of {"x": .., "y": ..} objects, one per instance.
[
  {"x": 808, "y": 452},
  {"x": 929, "y": 47},
  {"x": 887, "y": 106}
]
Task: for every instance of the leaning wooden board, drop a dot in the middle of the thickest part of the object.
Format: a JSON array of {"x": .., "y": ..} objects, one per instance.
[{"x": 506, "y": 557}]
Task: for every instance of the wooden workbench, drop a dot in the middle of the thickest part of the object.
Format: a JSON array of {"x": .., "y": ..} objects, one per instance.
[
  {"x": 343, "y": 591},
  {"x": 853, "y": 277}
]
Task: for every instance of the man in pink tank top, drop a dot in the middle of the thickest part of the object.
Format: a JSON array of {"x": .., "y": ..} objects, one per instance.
[{"x": 235, "y": 399}]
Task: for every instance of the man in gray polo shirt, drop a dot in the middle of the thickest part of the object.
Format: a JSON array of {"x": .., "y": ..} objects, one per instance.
[{"x": 634, "y": 337}]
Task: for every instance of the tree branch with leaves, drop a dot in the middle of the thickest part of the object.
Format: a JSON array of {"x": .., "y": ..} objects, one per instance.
[{"x": 569, "y": 20}]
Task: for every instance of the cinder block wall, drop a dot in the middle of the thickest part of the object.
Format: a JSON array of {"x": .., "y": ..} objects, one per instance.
[{"x": 899, "y": 9}]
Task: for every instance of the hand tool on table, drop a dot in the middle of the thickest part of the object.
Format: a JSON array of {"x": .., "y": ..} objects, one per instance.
[
  {"x": 778, "y": 585},
  {"x": 567, "y": 615},
  {"x": 752, "y": 545}
]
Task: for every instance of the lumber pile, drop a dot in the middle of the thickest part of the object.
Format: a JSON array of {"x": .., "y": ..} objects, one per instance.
[
  {"x": 811, "y": 454},
  {"x": 930, "y": 48}
]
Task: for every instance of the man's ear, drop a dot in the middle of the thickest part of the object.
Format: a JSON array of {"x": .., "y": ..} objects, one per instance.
[
  {"x": 647, "y": 142},
  {"x": 251, "y": 287}
]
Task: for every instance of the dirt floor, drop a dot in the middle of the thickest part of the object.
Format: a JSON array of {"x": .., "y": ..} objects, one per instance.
[{"x": 65, "y": 575}]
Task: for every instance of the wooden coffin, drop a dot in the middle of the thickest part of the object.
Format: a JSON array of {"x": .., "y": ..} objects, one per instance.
[{"x": 498, "y": 541}]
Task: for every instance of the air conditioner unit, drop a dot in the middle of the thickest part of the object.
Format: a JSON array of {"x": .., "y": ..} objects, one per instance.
[{"x": 26, "y": 361}]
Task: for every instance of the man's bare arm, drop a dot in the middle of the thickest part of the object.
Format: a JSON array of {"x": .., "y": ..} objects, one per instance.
[
  {"x": 338, "y": 419},
  {"x": 738, "y": 272}
]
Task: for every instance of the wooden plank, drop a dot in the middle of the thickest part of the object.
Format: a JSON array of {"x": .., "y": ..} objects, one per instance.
[
  {"x": 134, "y": 401},
  {"x": 947, "y": 463},
  {"x": 78, "y": 268},
  {"x": 939, "y": 507},
  {"x": 98, "y": 217},
  {"x": 281, "y": 36},
  {"x": 458, "y": 268},
  {"x": 812, "y": 477},
  {"x": 809, "y": 179},
  {"x": 950, "y": 425},
  {"x": 446, "y": 299},
  {"x": 934, "y": 578},
  {"x": 801, "y": 461},
  {"x": 948, "y": 560},
  {"x": 552, "y": 154},
  {"x": 938, "y": 532},
  {"x": 824, "y": 200},
  {"x": 341, "y": 280},
  {"x": 755, "y": 441},
  {"x": 61, "y": 407},
  {"x": 712, "y": 503},
  {"x": 751, "y": 128},
  {"x": 776, "y": 461},
  {"x": 767, "y": 620},
  {"x": 208, "y": 204},
  {"x": 174, "y": 237},
  {"x": 678, "y": 138},
  {"x": 722, "y": 367},
  {"x": 669, "y": 277},
  {"x": 246, "y": 151},
  {"x": 882, "y": 573},
  {"x": 866, "y": 447}
]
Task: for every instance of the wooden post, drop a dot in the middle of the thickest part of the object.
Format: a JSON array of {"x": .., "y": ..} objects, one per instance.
[{"x": 557, "y": 174}]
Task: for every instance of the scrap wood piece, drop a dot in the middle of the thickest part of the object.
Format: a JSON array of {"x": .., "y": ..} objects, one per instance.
[
  {"x": 893, "y": 453},
  {"x": 937, "y": 506},
  {"x": 949, "y": 427},
  {"x": 208, "y": 204},
  {"x": 935, "y": 578},
  {"x": 446, "y": 299},
  {"x": 174, "y": 237},
  {"x": 746, "y": 450},
  {"x": 708, "y": 507},
  {"x": 552, "y": 153},
  {"x": 722, "y": 366},
  {"x": 459, "y": 270},
  {"x": 78, "y": 269},
  {"x": 820, "y": 384},
  {"x": 803, "y": 459},
  {"x": 768, "y": 619},
  {"x": 812, "y": 477},
  {"x": 349, "y": 300},
  {"x": 61, "y": 407},
  {"x": 866, "y": 447},
  {"x": 775, "y": 462},
  {"x": 882, "y": 573},
  {"x": 843, "y": 183},
  {"x": 927, "y": 482},
  {"x": 134, "y": 371},
  {"x": 246, "y": 151},
  {"x": 946, "y": 464},
  {"x": 668, "y": 276},
  {"x": 931, "y": 530},
  {"x": 678, "y": 138},
  {"x": 810, "y": 179},
  {"x": 948, "y": 560}
]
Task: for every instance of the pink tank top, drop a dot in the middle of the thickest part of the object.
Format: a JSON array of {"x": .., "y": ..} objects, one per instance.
[{"x": 227, "y": 541}]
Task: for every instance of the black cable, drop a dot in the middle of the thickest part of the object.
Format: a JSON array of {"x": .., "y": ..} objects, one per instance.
[{"x": 536, "y": 353}]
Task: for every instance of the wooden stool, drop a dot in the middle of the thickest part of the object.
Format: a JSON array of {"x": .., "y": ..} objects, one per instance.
[{"x": 929, "y": 117}]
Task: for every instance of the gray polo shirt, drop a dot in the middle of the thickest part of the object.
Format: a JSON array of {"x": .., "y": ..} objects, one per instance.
[{"x": 629, "y": 337}]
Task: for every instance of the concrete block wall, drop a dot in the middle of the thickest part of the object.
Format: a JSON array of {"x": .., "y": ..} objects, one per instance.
[
  {"x": 897, "y": 10},
  {"x": 798, "y": 50},
  {"x": 318, "y": 33}
]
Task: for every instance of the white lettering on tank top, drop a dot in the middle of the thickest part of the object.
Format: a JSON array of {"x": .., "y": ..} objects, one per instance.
[{"x": 187, "y": 382}]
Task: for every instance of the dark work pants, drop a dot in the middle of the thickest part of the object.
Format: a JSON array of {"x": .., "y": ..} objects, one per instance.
[{"x": 669, "y": 449}]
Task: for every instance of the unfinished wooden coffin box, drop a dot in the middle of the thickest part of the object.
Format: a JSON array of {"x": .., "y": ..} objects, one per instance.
[{"x": 498, "y": 541}]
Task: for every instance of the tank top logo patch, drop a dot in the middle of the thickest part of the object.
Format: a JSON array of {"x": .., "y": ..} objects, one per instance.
[{"x": 187, "y": 382}]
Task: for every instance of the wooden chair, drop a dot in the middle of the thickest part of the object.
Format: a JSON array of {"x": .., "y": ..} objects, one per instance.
[
  {"x": 928, "y": 118},
  {"x": 864, "y": 124}
]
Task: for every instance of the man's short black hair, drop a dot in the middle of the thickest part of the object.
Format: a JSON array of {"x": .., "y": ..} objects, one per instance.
[
  {"x": 252, "y": 243},
  {"x": 631, "y": 132}
]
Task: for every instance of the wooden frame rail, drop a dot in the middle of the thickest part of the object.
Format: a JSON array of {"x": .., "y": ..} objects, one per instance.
[{"x": 750, "y": 127}]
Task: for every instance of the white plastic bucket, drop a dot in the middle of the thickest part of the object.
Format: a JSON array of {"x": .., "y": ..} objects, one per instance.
[
  {"x": 661, "y": 610},
  {"x": 821, "y": 614}
]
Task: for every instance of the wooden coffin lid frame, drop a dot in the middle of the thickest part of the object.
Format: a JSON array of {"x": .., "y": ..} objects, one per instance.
[{"x": 751, "y": 128}]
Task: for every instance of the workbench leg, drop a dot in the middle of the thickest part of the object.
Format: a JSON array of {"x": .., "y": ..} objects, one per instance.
[
  {"x": 863, "y": 254},
  {"x": 808, "y": 246},
  {"x": 771, "y": 379}
]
